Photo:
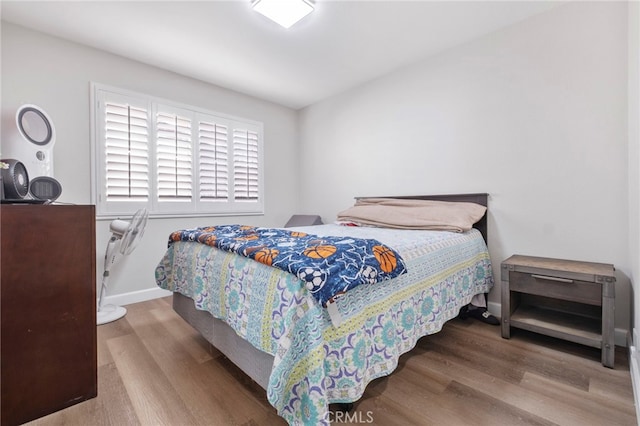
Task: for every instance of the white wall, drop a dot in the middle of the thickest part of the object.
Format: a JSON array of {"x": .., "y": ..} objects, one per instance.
[
  {"x": 634, "y": 187},
  {"x": 634, "y": 151},
  {"x": 535, "y": 115},
  {"x": 55, "y": 74}
]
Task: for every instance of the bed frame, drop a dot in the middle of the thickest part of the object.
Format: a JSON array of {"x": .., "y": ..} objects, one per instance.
[{"x": 255, "y": 363}]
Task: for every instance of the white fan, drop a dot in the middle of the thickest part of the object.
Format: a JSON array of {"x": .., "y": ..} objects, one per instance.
[{"x": 125, "y": 235}]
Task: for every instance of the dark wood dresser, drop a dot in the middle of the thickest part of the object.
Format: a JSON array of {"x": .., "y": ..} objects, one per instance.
[{"x": 48, "y": 309}]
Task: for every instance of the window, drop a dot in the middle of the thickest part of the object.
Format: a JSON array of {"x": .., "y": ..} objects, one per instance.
[
  {"x": 245, "y": 165},
  {"x": 172, "y": 159}
]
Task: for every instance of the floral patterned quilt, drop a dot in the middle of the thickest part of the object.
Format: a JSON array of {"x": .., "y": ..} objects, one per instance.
[{"x": 315, "y": 363}]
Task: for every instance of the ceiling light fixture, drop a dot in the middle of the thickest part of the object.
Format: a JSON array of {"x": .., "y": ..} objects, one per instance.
[{"x": 283, "y": 12}]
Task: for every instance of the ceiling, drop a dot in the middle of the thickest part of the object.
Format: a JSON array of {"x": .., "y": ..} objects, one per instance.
[{"x": 342, "y": 44}]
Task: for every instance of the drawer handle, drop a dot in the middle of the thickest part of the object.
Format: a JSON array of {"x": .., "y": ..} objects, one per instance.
[{"x": 544, "y": 277}]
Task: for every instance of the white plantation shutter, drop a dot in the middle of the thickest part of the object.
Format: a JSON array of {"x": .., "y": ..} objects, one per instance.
[
  {"x": 126, "y": 152},
  {"x": 245, "y": 165},
  {"x": 173, "y": 159},
  {"x": 213, "y": 161}
]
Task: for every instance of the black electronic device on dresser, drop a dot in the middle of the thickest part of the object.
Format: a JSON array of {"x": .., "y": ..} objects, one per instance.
[{"x": 17, "y": 188}]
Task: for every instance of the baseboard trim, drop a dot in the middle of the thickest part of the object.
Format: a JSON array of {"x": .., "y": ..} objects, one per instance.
[
  {"x": 620, "y": 338},
  {"x": 495, "y": 309},
  {"x": 136, "y": 296},
  {"x": 634, "y": 369}
]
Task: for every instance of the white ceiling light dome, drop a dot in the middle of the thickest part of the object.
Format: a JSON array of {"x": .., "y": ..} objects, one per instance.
[{"x": 283, "y": 12}]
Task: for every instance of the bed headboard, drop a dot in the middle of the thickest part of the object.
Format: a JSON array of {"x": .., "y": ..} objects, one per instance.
[{"x": 481, "y": 199}]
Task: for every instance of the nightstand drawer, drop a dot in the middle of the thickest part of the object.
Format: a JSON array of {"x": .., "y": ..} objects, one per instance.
[{"x": 556, "y": 287}]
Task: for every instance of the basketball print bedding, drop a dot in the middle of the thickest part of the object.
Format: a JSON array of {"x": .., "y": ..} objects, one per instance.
[{"x": 330, "y": 266}]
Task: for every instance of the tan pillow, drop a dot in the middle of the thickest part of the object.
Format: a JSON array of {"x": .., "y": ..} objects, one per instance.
[{"x": 414, "y": 214}]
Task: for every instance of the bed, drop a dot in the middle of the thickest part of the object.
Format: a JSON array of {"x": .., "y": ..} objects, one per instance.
[{"x": 307, "y": 355}]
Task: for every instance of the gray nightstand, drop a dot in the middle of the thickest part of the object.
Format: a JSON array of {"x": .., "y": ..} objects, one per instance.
[{"x": 566, "y": 299}]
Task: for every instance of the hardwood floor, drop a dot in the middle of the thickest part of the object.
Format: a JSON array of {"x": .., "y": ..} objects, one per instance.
[{"x": 154, "y": 369}]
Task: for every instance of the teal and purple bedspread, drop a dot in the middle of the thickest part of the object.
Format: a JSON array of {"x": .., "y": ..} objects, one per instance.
[{"x": 316, "y": 363}]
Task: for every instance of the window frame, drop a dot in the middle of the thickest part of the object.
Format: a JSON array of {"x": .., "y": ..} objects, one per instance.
[{"x": 194, "y": 207}]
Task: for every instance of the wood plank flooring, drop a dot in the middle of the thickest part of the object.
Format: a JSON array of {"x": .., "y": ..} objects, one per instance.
[{"x": 154, "y": 369}]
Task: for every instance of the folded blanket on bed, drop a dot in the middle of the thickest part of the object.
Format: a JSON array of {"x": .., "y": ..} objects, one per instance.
[
  {"x": 414, "y": 214},
  {"x": 328, "y": 265}
]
